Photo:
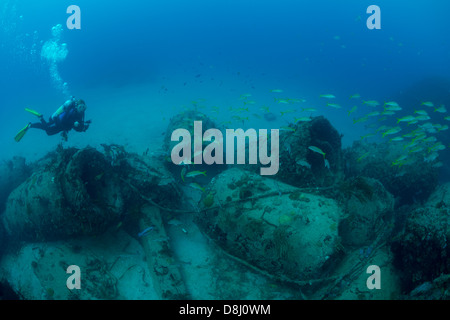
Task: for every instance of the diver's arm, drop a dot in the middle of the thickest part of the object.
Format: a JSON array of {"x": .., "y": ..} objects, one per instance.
[{"x": 81, "y": 126}]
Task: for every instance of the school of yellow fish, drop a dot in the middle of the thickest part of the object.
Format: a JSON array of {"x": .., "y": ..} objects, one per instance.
[{"x": 413, "y": 134}]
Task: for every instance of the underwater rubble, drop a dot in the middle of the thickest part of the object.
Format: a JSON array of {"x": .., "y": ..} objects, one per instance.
[
  {"x": 410, "y": 182},
  {"x": 312, "y": 229},
  {"x": 272, "y": 226},
  {"x": 421, "y": 249}
]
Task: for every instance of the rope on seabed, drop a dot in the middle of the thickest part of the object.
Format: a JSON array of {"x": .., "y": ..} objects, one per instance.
[
  {"x": 377, "y": 244},
  {"x": 220, "y": 206}
]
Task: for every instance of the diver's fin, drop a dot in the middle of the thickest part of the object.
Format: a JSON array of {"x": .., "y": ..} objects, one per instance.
[
  {"x": 21, "y": 133},
  {"x": 37, "y": 114}
]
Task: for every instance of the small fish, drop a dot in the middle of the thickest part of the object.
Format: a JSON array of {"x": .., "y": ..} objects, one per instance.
[
  {"x": 99, "y": 176},
  {"x": 309, "y": 110},
  {"x": 391, "y": 104},
  {"x": 421, "y": 112},
  {"x": 302, "y": 119},
  {"x": 419, "y": 137},
  {"x": 382, "y": 128},
  {"x": 396, "y": 139},
  {"x": 276, "y": 90},
  {"x": 145, "y": 231},
  {"x": 372, "y": 103},
  {"x": 118, "y": 225},
  {"x": 363, "y": 119},
  {"x": 423, "y": 118},
  {"x": 433, "y": 156},
  {"x": 436, "y": 147},
  {"x": 287, "y": 111},
  {"x": 441, "y": 109},
  {"x": 285, "y": 101},
  {"x": 412, "y": 144},
  {"x": 183, "y": 173},
  {"x": 327, "y": 96},
  {"x": 296, "y": 100},
  {"x": 406, "y": 119},
  {"x": 287, "y": 129},
  {"x": 192, "y": 174},
  {"x": 334, "y": 105},
  {"x": 316, "y": 149},
  {"x": 416, "y": 149},
  {"x": 355, "y": 96},
  {"x": 239, "y": 110},
  {"x": 427, "y": 103},
  {"x": 447, "y": 118},
  {"x": 249, "y": 102},
  {"x": 387, "y": 113},
  {"x": 238, "y": 118},
  {"x": 365, "y": 155},
  {"x": 265, "y": 109},
  {"x": 430, "y": 139},
  {"x": 352, "y": 110},
  {"x": 369, "y": 135},
  {"x": 410, "y": 135},
  {"x": 373, "y": 114},
  {"x": 398, "y": 163},
  {"x": 393, "y": 108},
  {"x": 303, "y": 163},
  {"x": 392, "y": 131},
  {"x": 197, "y": 186}
]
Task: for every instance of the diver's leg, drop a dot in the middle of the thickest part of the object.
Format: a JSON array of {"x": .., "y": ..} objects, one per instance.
[
  {"x": 39, "y": 125},
  {"x": 51, "y": 130}
]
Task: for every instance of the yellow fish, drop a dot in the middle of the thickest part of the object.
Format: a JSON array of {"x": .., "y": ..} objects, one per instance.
[
  {"x": 287, "y": 111},
  {"x": 192, "y": 174},
  {"x": 427, "y": 103},
  {"x": 302, "y": 119},
  {"x": 317, "y": 150},
  {"x": 352, "y": 110},
  {"x": 334, "y": 105}
]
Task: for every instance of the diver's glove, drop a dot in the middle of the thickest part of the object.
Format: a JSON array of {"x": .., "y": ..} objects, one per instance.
[{"x": 86, "y": 124}]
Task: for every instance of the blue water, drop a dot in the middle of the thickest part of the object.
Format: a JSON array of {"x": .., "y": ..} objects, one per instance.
[
  {"x": 179, "y": 51},
  {"x": 139, "y": 63}
]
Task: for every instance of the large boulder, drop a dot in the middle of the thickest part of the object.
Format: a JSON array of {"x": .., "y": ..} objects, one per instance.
[
  {"x": 185, "y": 120},
  {"x": 12, "y": 173},
  {"x": 66, "y": 197},
  {"x": 367, "y": 206},
  {"x": 270, "y": 225},
  {"x": 76, "y": 192},
  {"x": 421, "y": 250},
  {"x": 112, "y": 266},
  {"x": 300, "y": 165}
]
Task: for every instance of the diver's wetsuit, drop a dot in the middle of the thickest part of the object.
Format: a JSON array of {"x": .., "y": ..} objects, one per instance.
[{"x": 64, "y": 121}]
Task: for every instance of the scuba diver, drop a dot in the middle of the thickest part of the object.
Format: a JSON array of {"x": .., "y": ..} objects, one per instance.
[{"x": 69, "y": 116}]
